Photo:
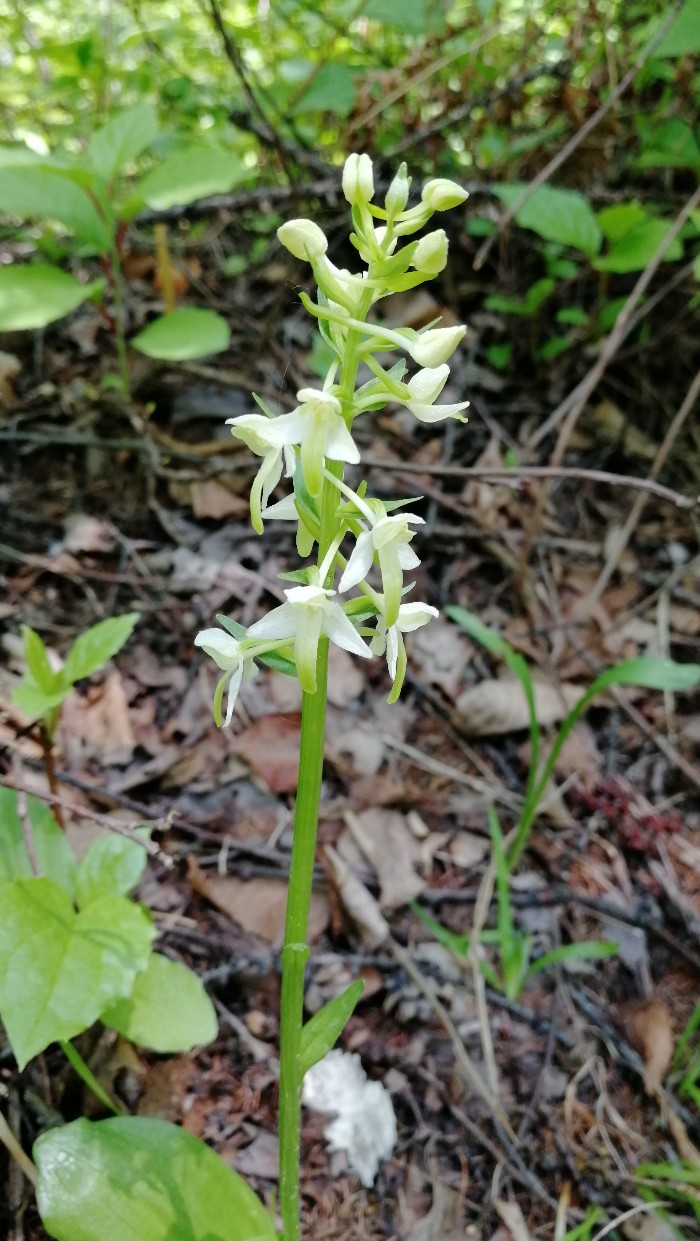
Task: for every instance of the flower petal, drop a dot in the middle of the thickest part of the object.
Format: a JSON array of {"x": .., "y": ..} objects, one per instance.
[
  {"x": 340, "y": 630},
  {"x": 340, "y": 445},
  {"x": 434, "y": 413},
  {"x": 360, "y": 562},
  {"x": 309, "y": 624},
  {"x": 222, "y": 647},
  {"x": 233, "y": 687},
  {"x": 281, "y": 622},
  {"x": 413, "y": 615}
]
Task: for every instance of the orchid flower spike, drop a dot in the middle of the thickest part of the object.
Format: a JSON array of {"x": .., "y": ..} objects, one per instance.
[
  {"x": 309, "y": 612},
  {"x": 388, "y": 539},
  {"x": 389, "y": 639},
  {"x": 230, "y": 654}
]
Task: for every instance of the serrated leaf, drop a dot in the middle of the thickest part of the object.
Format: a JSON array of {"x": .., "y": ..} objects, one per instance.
[
  {"x": 112, "y": 866},
  {"x": 321, "y": 1032},
  {"x": 47, "y": 193},
  {"x": 122, "y": 139},
  {"x": 189, "y": 175},
  {"x": 168, "y": 1009},
  {"x": 37, "y": 660},
  {"x": 564, "y": 216},
  {"x": 32, "y": 297},
  {"x": 59, "y": 969},
  {"x": 133, "y": 1177},
  {"x": 183, "y": 335},
  {"x": 93, "y": 648}
]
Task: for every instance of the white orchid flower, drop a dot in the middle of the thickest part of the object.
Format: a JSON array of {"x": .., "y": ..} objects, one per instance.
[
  {"x": 424, "y": 388},
  {"x": 389, "y": 639},
  {"x": 316, "y": 425},
  {"x": 230, "y": 655},
  {"x": 388, "y": 539},
  {"x": 309, "y": 612},
  {"x": 266, "y": 438}
]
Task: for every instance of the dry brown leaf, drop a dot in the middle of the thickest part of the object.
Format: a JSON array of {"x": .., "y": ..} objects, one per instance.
[
  {"x": 513, "y": 1218},
  {"x": 650, "y": 1029},
  {"x": 260, "y": 1158},
  {"x": 500, "y": 706},
  {"x": 440, "y": 654},
  {"x": 210, "y": 498},
  {"x": 468, "y": 849},
  {"x": 88, "y": 534},
  {"x": 385, "y": 838},
  {"x": 358, "y": 903},
  {"x": 444, "y": 1221},
  {"x": 648, "y": 1227},
  {"x": 97, "y": 725},
  {"x": 271, "y": 746},
  {"x": 345, "y": 677},
  {"x": 258, "y": 905}
]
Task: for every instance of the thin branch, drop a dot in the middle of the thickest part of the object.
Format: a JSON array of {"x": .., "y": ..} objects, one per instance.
[
  {"x": 538, "y": 471},
  {"x": 576, "y": 140}
]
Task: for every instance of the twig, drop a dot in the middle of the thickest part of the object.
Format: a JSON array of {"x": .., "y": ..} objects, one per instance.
[
  {"x": 11, "y": 1144},
  {"x": 574, "y": 402},
  {"x": 576, "y": 140},
  {"x": 537, "y": 471},
  {"x": 635, "y": 513}
]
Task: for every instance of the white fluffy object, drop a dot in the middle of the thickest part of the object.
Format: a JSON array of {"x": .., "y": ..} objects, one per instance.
[{"x": 364, "y": 1124}]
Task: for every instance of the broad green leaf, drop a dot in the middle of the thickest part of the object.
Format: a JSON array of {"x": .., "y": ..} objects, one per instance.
[
  {"x": 636, "y": 247},
  {"x": 54, "y": 856},
  {"x": 617, "y": 220},
  {"x": 683, "y": 37},
  {"x": 32, "y": 297},
  {"x": 564, "y": 216},
  {"x": 49, "y": 193},
  {"x": 189, "y": 175},
  {"x": 14, "y": 860},
  {"x": 60, "y": 969},
  {"x": 34, "y": 701},
  {"x": 331, "y": 90},
  {"x": 112, "y": 866},
  {"x": 37, "y": 658},
  {"x": 93, "y": 648},
  {"x": 672, "y": 145},
  {"x": 168, "y": 1009},
  {"x": 184, "y": 334},
  {"x": 136, "y": 1179},
  {"x": 122, "y": 139},
  {"x": 412, "y": 17},
  {"x": 321, "y": 1031}
]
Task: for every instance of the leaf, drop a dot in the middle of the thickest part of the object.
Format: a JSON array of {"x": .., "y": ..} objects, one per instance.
[
  {"x": 637, "y": 246},
  {"x": 32, "y": 297},
  {"x": 192, "y": 174},
  {"x": 133, "y": 1177},
  {"x": 672, "y": 145},
  {"x": 168, "y": 1009},
  {"x": 321, "y": 1031},
  {"x": 59, "y": 969},
  {"x": 410, "y": 17},
  {"x": 54, "y": 856},
  {"x": 93, "y": 648},
  {"x": 34, "y": 701},
  {"x": 51, "y": 194},
  {"x": 332, "y": 90},
  {"x": 112, "y": 866},
  {"x": 37, "y": 658},
  {"x": 683, "y": 38},
  {"x": 500, "y": 706},
  {"x": 564, "y": 216},
  {"x": 649, "y": 673},
  {"x": 122, "y": 139},
  {"x": 184, "y": 334},
  {"x": 14, "y": 860},
  {"x": 586, "y": 950}
]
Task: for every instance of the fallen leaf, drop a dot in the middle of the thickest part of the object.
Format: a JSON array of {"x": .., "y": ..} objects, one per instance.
[
  {"x": 345, "y": 679},
  {"x": 385, "y": 838},
  {"x": 513, "y": 1218},
  {"x": 358, "y": 903},
  {"x": 258, "y": 905},
  {"x": 500, "y": 706},
  {"x": 650, "y": 1030},
  {"x": 440, "y": 655},
  {"x": 210, "y": 498},
  {"x": 444, "y": 1221},
  {"x": 271, "y": 747},
  {"x": 260, "y": 1158},
  {"x": 97, "y": 725},
  {"x": 467, "y": 849}
]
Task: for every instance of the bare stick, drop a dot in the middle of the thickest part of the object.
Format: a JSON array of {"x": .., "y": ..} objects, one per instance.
[
  {"x": 11, "y": 1144},
  {"x": 575, "y": 141}
]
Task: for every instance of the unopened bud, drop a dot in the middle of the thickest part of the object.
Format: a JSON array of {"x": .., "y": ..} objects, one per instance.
[
  {"x": 303, "y": 239},
  {"x": 358, "y": 184},
  {"x": 435, "y": 346},
  {"x": 397, "y": 194},
  {"x": 441, "y": 194},
  {"x": 430, "y": 254}
]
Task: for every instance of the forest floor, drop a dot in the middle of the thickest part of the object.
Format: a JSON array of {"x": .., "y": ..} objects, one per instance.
[{"x": 106, "y": 511}]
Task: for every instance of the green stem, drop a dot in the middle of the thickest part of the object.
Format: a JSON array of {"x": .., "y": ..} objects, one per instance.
[
  {"x": 119, "y": 334},
  {"x": 76, "y": 1061}
]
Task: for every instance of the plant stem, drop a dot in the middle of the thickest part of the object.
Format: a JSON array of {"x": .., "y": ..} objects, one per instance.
[{"x": 119, "y": 334}]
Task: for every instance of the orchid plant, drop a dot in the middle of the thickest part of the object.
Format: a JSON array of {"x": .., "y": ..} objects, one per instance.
[{"x": 358, "y": 544}]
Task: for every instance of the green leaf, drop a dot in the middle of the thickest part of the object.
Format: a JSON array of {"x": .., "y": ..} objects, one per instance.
[
  {"x": 59, "y": 969},
  {"x": 37, "y": 658},
  {"x": 93, "y": 648},
  {"x": 410, "y": 16},
  {"x": 614, "y": 222},
  {"x": 672, "y": 145},
  {"x": 637, "y": 246},
  {"x": 112, "y": 866},
  {"x": 683, "y": 38},
  {"x": 184, "y": 334},
  {"x": 54, "y": 856},
  {"x": 331, "y": 90},
  {"x": 14, "y": 859},
  {"x": 51, "y": 194},
  {"x": 321, "y": 1031},
  {"x": 34, "y": 701},
  {"x": 122, "y": 139},
  {"x": 132, "y": 1177},
  {"x": 649, "y": 673},
  {"x": 459, "y": 944},
  {"x": 32, "y": 297},
  {"x": 189, "y": 175},
  {"x": 168, "y": 1009},
  {"x": 587, "y": 950},
  {"x": 564, "y": 216}
]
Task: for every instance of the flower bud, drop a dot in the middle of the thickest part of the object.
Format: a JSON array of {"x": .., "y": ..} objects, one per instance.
[
  {"x": 397, "y": 194},
  {"x": 358, "y": 185},
  {"x": 303, "y": 239},
  {"x": 441, "y": 194},
  {"x": 435, "y": 346},
  {"x": 430, "y": 254}
]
